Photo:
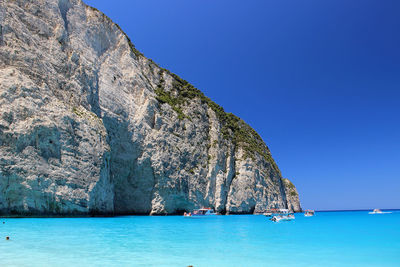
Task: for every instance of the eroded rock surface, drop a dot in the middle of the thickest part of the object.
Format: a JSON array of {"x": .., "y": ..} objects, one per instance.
[
  {"x": 292, "y": 195},
  {"x": 88, "y": 125}
]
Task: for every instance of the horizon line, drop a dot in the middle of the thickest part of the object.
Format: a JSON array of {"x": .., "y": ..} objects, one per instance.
[{"x": 355, "y": 210}]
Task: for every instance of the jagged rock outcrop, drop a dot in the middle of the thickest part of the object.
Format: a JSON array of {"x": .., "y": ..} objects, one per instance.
[
  {"x": 292, "y": 196},
  {"x": 88, "y": 125}
]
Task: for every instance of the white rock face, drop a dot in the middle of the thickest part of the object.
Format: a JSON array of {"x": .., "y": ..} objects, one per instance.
[
  {"x": 292, "y": 195},
  {"x": 88, "y": 125}
]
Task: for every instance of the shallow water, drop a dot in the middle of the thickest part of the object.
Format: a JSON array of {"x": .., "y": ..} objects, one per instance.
[{"x": 327, "y": 239}]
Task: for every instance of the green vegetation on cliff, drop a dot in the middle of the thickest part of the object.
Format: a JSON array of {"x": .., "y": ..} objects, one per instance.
[
  {"x": 233, "y": 127},
  {"x": 290, "y": 186}
]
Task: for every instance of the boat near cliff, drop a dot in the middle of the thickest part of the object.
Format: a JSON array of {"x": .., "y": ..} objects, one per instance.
[
  {"x": 287, "y": 217},
  {"x": 273, "y": 212},
  {"x": 309, "y": 213},
  {"x": 200, "y": 213}
]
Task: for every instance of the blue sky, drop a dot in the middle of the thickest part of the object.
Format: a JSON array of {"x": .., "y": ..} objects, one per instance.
[{"x": 319, "y": 80}]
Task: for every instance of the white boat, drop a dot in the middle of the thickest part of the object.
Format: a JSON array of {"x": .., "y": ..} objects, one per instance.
[
  {"x": 200, "y": 212},
  {"x": 278, "y": 218},
  {"x": 378, "y": 211},
  {"x": 272, "y": 212},
  {"x": 309, "y": 213}
]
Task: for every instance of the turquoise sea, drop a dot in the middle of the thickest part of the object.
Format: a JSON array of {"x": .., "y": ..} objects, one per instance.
[{"x": 327, "y": 239}]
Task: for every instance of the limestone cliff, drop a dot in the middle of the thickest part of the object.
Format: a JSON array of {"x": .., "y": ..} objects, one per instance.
[
  {"x": 88, "y": 125},
  {"x": 292, "y": 196}
]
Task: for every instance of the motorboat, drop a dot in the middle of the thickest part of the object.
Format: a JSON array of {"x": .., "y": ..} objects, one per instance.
[
  {"x": 378, "y": 211},
  {"x": 309, "y": 213},
  {"x": 272, "y": 212},
  {"x": 278, "y": 218},
  {"x": 282, "y": 215},
  {"x": 200, "y": 212}
]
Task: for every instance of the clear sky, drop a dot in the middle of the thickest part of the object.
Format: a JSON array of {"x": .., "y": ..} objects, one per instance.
[{"x": 319, "y": 80}]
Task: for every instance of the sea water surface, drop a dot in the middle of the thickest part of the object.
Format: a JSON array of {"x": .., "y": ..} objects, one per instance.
[{"x": 327, "y": 239}]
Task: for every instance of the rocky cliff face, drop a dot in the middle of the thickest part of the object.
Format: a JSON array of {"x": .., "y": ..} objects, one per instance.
[
  {"x": 292, "y": 196},
  {"x": 88, "y": 125}
]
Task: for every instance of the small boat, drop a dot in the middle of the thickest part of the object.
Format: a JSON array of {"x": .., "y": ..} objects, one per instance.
[
  {"x": 272, "y": 212},
  {"x": 309, "y": 213},
  {"x": 200, "y": 212},
  {"x": 378, "y": 211},
  {"x": 278, "y": 218}
]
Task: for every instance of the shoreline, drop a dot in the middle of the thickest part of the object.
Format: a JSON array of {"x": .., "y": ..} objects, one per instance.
[{"x": 156, "y": 215}]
